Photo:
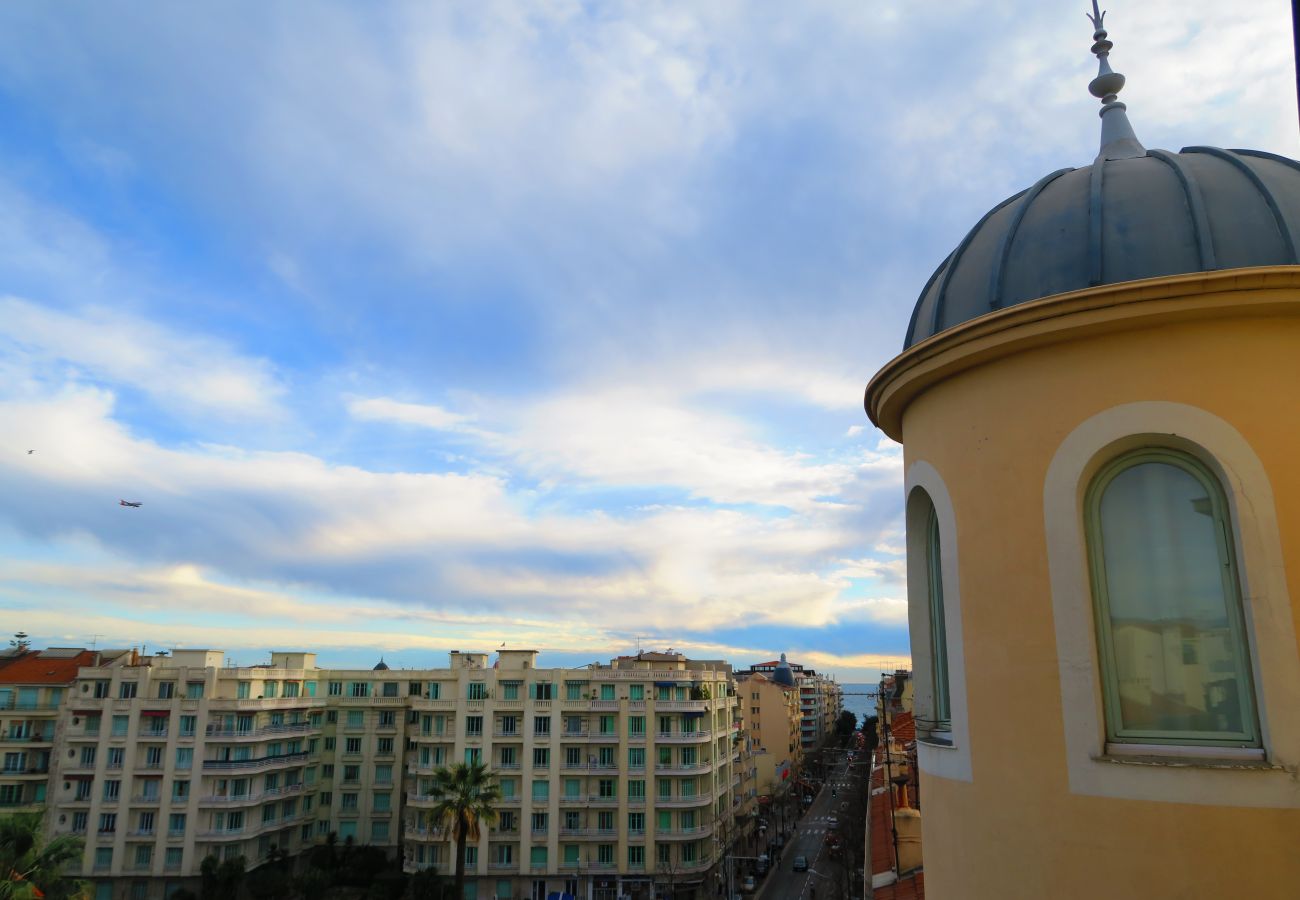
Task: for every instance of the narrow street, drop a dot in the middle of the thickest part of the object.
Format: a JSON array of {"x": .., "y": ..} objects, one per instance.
[{"x": 808, "y": 839}]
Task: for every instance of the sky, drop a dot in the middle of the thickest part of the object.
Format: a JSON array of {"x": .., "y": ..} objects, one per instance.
[{"x": 420, "y": 327}]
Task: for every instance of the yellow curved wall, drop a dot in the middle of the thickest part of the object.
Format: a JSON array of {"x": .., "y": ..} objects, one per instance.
[{"x": 991, "y": 431}]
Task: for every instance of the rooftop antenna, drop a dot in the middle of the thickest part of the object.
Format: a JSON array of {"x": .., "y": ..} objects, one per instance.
[
  {"x": 1117, "y": 138},
  {"x": 94, "y": 641}
]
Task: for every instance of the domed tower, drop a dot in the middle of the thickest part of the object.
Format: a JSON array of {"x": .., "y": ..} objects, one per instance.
[
  {"x": 1097, "y": 400},
  {"x": 783, "y": 674}
]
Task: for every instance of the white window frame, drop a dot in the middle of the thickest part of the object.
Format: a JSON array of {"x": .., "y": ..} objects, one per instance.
[{"x": 943, "y": 753}]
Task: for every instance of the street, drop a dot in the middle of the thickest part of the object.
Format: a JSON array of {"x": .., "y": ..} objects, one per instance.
[{"x": 809, "y": 840}]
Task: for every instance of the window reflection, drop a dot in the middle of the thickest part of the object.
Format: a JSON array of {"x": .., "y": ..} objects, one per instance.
[{"x": 1172, "y": 640}]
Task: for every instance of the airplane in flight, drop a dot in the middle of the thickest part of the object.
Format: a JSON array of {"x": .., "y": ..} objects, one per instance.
[{"x": 133, "y": 505}]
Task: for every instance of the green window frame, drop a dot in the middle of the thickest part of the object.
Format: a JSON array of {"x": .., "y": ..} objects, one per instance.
[
  {"x": 942, "y": 710},
  {"x": 1155, "y": 547}
]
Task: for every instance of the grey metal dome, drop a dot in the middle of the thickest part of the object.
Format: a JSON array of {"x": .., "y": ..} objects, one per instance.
[
  {"x": 783, "y": 674},
  {"x": 1145, "y": 216}
]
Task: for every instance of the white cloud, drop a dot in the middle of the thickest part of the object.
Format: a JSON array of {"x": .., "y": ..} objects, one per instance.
[
  {"x": 188, "y": 375},
  {"x": 423, "y": 415}
]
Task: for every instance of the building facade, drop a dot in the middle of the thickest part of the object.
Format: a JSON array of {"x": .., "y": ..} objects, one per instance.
[{"x": 614, "y": 777}]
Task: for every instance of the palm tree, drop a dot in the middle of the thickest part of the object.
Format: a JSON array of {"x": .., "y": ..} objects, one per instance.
[
  {"x": 465, "y": 795},
  {"x": 28, "y": 869}
]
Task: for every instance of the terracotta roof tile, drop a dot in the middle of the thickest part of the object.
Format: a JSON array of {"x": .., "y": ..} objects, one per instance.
[
  {"x": 37, "y": 669},
  {"x": 903, "y": 727}
]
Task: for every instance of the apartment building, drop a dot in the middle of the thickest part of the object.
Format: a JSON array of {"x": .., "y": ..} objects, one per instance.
[
  {"x": 33, "y": 685},
  {"x": 772, "y": 721},
  {"x": 613, "y": 776},
  {"x": 820, "y": 699}
]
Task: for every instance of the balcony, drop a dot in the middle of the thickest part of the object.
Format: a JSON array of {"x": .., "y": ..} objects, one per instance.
[
  {"x": 503, "y": 866},
  {"x": 265, "y": 762},
  {"x": 425, "y": 703},
  {"x": 678, "y": 802},
  {"x": 597, "y": 800},
  {"x": 252, "y": 734},
  {"x": 421, "y": 833},
  {"x": 15, "y": 703},
  {"x": 684, "y": 834},
  {"x": 240, "y": 799},
  {"x": 515, "y": 735},
  {"x": 31, "y": 738},
  {"x": 681, "y": 706},
  {"x": 680, "y": 769},
  {"x": 603, "y": 737},
  {"x": 229, "y": 704},
  {"x": 683, "y": 737},
  {"x": 589, "y": 767}
]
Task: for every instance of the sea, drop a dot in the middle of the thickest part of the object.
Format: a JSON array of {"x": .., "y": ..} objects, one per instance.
[{"x": 855, "y": 701}]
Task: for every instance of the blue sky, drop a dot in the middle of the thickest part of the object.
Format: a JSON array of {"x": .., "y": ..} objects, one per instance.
[{"x": 419, "y": 327}]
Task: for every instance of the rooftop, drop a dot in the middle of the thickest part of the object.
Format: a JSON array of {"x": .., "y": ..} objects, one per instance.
[{"x": 58, "y": 665}]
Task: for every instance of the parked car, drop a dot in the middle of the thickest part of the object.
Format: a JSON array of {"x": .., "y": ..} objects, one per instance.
[
  {"x": 801, "y": 864},
  {"x": 763, "y": 862},
  {"x": 747, "y": 884}
]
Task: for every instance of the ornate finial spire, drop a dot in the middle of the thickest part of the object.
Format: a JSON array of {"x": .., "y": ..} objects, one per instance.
[{"x": 1117, "y": 138}]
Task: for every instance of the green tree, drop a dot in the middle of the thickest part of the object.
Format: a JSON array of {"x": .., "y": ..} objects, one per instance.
[
  {"x": 221, "y": 880},
  {"x": 465, "y": 796},
  {"x": 845, "y": 726},
  {"x": 21, "y": 642},
  {"x": 29, "y": 868}
]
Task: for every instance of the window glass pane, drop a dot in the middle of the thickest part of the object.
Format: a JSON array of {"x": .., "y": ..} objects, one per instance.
[
  {"x": 1174, "y": 655},
  {"x": 938, "y": 627}
]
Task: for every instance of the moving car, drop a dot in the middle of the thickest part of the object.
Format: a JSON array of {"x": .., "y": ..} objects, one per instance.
[
  {"x": 833, "y": 822},
  {"x": 801, "y": 864},
  {"x": 747, "y": 884}
]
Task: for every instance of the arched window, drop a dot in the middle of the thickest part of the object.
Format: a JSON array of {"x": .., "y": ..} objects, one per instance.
[
  {"x": 1175, "y": 662},
  {"x": 942, "y": 711}
]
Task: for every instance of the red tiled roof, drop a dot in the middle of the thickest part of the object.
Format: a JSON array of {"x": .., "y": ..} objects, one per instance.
[
  {"x": 903, "y": 727},
  {"x": 882, "y": 836},
  {"x": 36, "y": 669}
]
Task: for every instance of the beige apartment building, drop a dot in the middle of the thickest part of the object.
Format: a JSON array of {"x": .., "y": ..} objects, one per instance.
[
  {"x": 614, "y": 777},
  {"x": 772, "y": 720}
]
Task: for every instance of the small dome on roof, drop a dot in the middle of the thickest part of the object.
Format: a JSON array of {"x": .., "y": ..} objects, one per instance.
[
  {"x": 783, "y": 674},
  {"x": 381, "y": 666}
]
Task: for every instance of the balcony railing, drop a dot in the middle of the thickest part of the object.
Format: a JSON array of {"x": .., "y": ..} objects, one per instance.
[
  {"x": 235, "y": 734},
  {"x": 683, "y": 737},
  {"x": 222, "y": 765}
]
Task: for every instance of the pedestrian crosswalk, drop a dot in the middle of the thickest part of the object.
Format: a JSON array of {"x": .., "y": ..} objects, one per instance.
[{"x": 816, "y": 825}]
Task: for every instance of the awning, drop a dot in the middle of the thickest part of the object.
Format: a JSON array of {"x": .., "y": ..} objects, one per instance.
[
  {"x": 693, "y": 712},
  {"x": 665, "y": 684},
  {"x": 155, "y": 713}
]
